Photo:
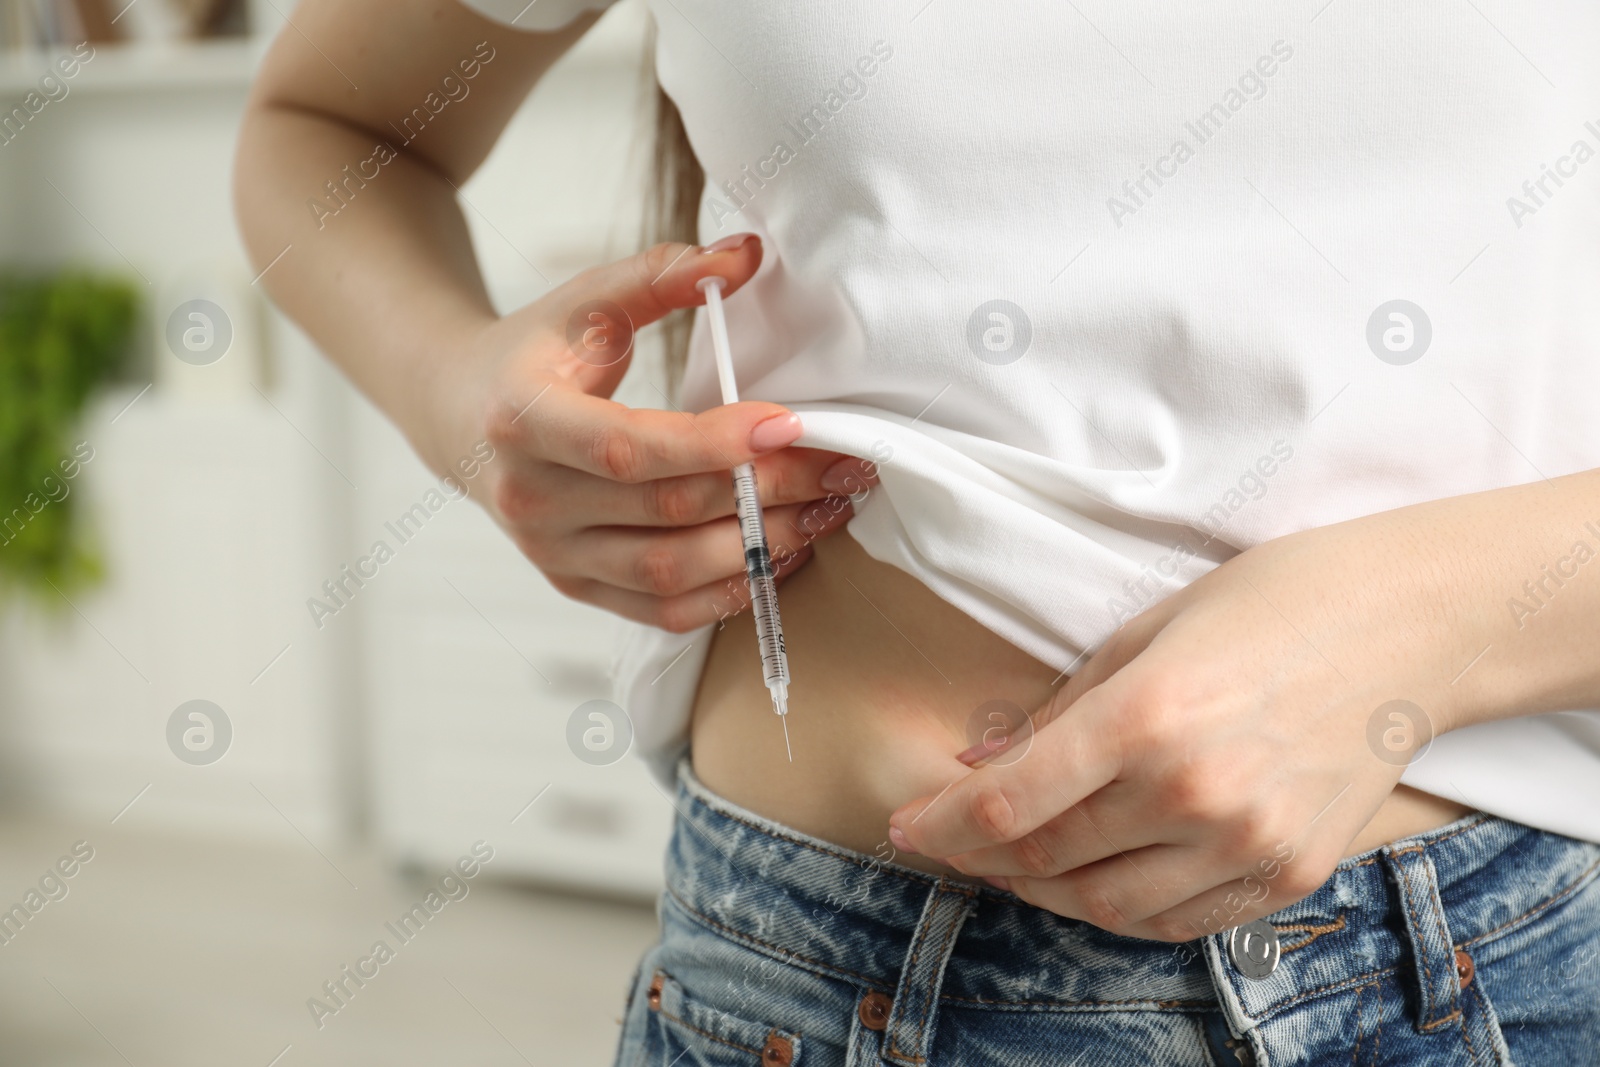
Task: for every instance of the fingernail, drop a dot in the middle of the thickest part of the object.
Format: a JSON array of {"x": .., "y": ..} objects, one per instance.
[
  {"x": 824, "y": 517},
  {"x": 791, "y": 560},
  {"x": 898, "y": 840},
  {"x": 731, "y": 243},
  {"x": 845, "y": 478},
  {"x": 981, "y": 750},
  {"x": 776, "y": 432},
  {"x": 998, "y": 883},
  {"x": 973, "y": 754}
]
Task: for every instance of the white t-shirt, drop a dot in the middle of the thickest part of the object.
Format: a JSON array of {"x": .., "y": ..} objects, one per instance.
[{"x": 1115, "y": 292}]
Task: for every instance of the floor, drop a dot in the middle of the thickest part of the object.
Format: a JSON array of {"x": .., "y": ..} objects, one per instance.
[{"x": 171, "y": 952}]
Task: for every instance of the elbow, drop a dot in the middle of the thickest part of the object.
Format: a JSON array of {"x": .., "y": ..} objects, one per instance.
[{"x": 246, "y": 187}]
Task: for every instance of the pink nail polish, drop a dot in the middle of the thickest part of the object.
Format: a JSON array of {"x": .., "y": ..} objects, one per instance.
[
  {"x": 982, "y": 750},
  {"x": 731, "y": 243},
  {"x": 843, "y": 477},
  {"x": 776, "y": 432},
  {"x": 973, "y": 754},
  {"x": 898, "y": 840}
]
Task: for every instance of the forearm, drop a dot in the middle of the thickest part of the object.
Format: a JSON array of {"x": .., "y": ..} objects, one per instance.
[
  {"x": 1500, "y": 592},
  {"x": 349, "y": 156},
  {"x": 1537, "y": 602},
  {"x": 389, "y": 287}
]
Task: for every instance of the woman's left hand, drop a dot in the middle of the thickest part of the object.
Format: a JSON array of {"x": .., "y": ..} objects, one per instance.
[{"x": 1213, "y": 761}]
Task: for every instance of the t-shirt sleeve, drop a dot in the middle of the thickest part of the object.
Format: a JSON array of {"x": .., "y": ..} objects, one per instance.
[{"x": 538, "y": 15}]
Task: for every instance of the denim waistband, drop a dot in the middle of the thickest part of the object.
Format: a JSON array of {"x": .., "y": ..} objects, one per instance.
[{"x": 857, "y": 918}]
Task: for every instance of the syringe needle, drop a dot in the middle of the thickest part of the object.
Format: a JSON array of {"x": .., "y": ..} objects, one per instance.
[{"x": 785, "y": 720}]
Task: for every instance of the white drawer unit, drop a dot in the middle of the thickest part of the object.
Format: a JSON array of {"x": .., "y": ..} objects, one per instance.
[{"x": 473, "y": 665}]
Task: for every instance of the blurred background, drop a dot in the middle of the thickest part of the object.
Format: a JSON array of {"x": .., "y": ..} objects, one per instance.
[{"x": 214, "y": 798}]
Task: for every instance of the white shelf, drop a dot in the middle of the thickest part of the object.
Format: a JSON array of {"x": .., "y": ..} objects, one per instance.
[
  {"x": 220, "y": 64},
  {"x": 230, "y": 63}
]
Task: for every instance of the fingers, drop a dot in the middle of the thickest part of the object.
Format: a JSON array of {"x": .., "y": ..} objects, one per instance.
[
  {"x": 1233, "y": 903},
  {"x": 1120, "y": 893},
  {"x": 1169, "y": 892},
  {"x": 634, "y": 445},
  {"x": 791, "y": 476},
  {"x": 1082, "y": 835},
  {"x": 661, "y": 279},
  {"x": 1069, "y": 759},
  {"x": 672, "y": 562},
  {"x": 598, "y": 313},
  {"x": 688, "y": 611}
]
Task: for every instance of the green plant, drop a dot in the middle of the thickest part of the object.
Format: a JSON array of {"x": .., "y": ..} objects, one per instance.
[{"x": 60, "y": 337}]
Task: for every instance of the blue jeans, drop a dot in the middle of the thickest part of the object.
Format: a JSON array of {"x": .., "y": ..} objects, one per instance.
[{"x": 1476, "y": 944}]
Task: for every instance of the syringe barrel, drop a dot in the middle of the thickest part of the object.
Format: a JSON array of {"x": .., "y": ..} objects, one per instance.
[{"x": 760, "y": 577}]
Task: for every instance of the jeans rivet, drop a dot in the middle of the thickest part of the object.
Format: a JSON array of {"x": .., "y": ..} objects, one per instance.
[
  {"x": 1464, "y": 967},
  {"x": 779, "y": 1051},
  {"x": 1253, "y": 949},
  {"x": 654, "y": 995},
  {"x": 874, "y": 1011}
]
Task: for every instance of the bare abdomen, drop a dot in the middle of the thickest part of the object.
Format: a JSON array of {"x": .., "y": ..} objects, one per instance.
[{"x": 886, "y": 679}]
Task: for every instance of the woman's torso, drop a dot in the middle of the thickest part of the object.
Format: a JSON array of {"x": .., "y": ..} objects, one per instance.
[{"x": 1191, "y": 355}]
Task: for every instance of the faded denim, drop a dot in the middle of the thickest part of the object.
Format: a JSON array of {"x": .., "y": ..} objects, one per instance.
[{"x": 1474, "y": 945}]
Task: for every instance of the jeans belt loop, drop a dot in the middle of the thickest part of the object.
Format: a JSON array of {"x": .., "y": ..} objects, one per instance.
[
  {"x": 1228, "y": 986},
  {"x": 1427, "y": 934},
  {"x": 909, "y": 1031}
]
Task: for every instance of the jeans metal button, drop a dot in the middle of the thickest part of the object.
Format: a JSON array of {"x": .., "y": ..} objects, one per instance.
[{"x": 1253, "y": 949}]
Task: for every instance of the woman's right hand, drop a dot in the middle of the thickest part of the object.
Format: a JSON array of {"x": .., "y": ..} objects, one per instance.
[{"x": 629, "y": 509}]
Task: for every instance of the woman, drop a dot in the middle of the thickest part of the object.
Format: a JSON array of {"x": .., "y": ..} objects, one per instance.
[{"x": 1197, "y": 682}]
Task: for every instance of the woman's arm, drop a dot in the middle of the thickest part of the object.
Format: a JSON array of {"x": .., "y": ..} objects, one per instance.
[
  {"x": 1212, "y": 762},
  {"x": 366, "y": 117},
  {"x": 389, "y": 286}
]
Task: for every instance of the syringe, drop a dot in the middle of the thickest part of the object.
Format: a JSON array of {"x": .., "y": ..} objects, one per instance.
[{"x": 757, "y": 558}]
